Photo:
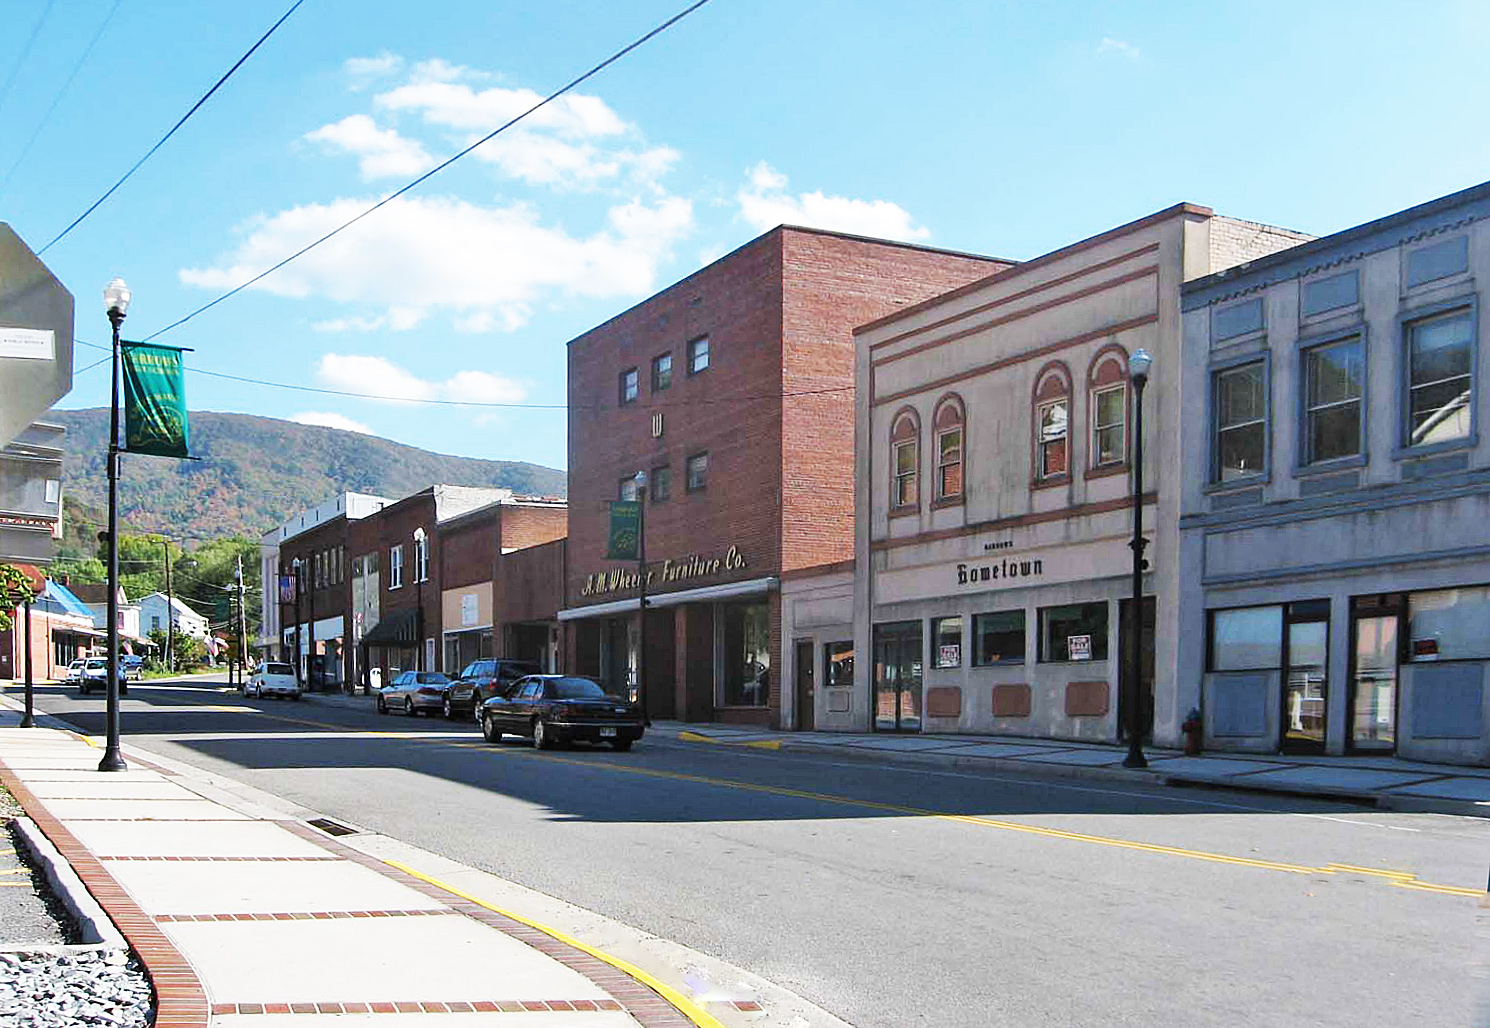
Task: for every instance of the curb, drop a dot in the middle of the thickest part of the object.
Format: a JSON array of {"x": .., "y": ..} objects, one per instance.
[{"x": 96, "y": 930}]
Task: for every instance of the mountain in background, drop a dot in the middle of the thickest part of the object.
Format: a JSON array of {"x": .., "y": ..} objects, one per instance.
[{"x": 255, "y": 472}]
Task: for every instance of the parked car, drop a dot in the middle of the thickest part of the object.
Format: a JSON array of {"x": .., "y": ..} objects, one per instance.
[
  {"x": 414, "y": 692},
  {"x": 483, "y": 679},
  {"x": 75, "y": 671},
  {"x": 95, "y": 673},
  {"x": 133, "y": 664},
  {"x": 557, "y": 709},
  {"x": 273, "y": 679}
]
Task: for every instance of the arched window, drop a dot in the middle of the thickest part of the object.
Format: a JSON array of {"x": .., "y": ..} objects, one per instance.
[
  {"x": 951, "y": 438},
  {"x": 905, "y": 460},
  {"x": 1052, "y": 423},
  {"x": 1107, "y": 384}
]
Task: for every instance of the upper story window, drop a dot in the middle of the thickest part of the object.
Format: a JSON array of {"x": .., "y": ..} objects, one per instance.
[
  {"x": 1108, "y": 383},
  {"x": 949, "y": 454},
  {"x": 421, "y": 559},
  {"x": 626, "y": 489},
  {"x": 698, "y": 471},
  {"x": 628, "y": 385},
  {"x": 1333, "y": 378},
  {"x": 905, "y": 459},
  {"x": 662, "y": 372},
  {"x": 698, "y": 355},
  {"x": 396, "y": 566},
  {"x": 1052, "y": 423},
  {"x": 1441, "y": 383},
  {"x": 1241, "y": 421},
  {"x": 661, "y": 483}
]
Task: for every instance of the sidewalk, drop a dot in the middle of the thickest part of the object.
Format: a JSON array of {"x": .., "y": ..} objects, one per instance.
[{"x": 247, "y": 921}]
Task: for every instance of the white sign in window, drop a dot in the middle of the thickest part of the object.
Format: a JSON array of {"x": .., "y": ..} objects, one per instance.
[
  {"x": 1079, "y": 647},
  {"x": 468, "y": 609}
]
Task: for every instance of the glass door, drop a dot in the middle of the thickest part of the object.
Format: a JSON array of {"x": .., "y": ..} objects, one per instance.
[
  {"x": 1373, "y": 681},
  {"x": 897, "y": 677},
  {"x": 1304, "y": 686}
]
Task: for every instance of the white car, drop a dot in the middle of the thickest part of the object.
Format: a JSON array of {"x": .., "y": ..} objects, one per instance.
[
  {"x": 273, "y": 679},
  {"x": 75, "y": 671}
]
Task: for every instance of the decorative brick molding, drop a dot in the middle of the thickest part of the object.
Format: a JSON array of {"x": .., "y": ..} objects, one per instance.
[
  {"x": 1086, "y": 699},
  {"x": 1012, "y": 700},
  {"x": 944, "y": 701}
]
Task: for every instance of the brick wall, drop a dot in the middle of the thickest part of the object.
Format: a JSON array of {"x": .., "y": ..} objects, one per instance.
[
  {"x": 523, "y": 525},
  {"x": 467, "y": 548},
  {"x": 1234, "y": 241},
  {"x": 529, "y": 584}
]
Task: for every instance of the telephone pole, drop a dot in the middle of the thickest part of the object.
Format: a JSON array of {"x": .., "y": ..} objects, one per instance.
[{"x": 242, "y": 624}]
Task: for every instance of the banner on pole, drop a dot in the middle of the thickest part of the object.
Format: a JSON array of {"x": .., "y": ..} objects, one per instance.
[
  {"x": 154, "y": 401},
  {"x": 625, "y": 530},
  {"x": 286, "y": 588}
]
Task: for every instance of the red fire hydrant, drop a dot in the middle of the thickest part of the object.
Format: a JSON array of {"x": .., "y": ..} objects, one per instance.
[{"x": 1191, "y": 727}]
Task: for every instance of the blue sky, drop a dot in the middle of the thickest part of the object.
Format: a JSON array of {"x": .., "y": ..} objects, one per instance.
[{"x": 1005, "y": 129}]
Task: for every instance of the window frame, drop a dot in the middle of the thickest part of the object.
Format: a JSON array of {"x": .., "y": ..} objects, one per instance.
[
  {"x": 1213, "y": 399},
  {"x": 911, "y": 419},
  {"x": 621, "y": 485},
  {"x": 1042, "y": 657},
  {"x": 1406, "y": 319},
  {"x": 396, "y": 566},
  {"x": 1304, "y": 462},
  {"x": 657, "y": 384},
  {"x": 635, "y": 385},
  {"x": 1210, "y": 638},
  {"x": 421, "y": 559},
  {"x": 1024, "y": 637},
  {"x": 1099, "y": 383},
  {"x": 936, "y": 657},
  {"x": 1042, "y": 399},
  {"x": 708, "y": 353},
  {"x": 662, "y": 473},
  {"x": 688, "y": 472},
  {"x": 942, "y": 426}
]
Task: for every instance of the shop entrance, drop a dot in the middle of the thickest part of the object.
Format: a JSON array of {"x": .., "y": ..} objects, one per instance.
[
  {"x": 1306, "y": 646},
  {"x": 897, "y": 677},
  {"x": 806, "y": 686},
  {"x": 1375, "y": 649}
]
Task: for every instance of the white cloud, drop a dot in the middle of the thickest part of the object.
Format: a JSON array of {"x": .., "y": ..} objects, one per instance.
[
  {"x": 378, "y": 376},
  {"x": 416, "y": 255},
  {"x": 364, "y": 71},
  {"x": 458, "y": 106},
  {"x": 765, "y": 203},
  {"x": 383, "y": 152},
  {"x": 327, "y": 419},
  {"x": 1119, "y": 47}
]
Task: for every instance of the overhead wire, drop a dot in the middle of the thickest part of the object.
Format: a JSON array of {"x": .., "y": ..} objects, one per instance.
[
  {"x": 658, "y": 30},
  {"x": 15, "y": 69},
  {"x": 162, "y": 141}
]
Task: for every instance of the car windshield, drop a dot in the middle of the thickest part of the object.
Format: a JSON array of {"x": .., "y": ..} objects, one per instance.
[
  {"x": 431, "y": 678},
  {"x": 278, "y": 669},
  {"x": 96, "y": 664},
  {"x": 575, "y": 689}
]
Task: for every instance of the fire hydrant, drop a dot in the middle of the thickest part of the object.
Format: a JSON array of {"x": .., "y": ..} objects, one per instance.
[{"x": 1191, "y": 727}]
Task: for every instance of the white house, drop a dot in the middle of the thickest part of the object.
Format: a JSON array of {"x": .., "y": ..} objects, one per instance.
[{"x": 153, "y": 616}]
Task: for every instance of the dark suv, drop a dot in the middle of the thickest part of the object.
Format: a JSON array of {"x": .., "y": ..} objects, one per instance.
[{"x": 481, "y": 680}]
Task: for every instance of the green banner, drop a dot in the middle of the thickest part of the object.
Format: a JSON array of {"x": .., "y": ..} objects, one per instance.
[
  {"x": 154, "y": 401},
  {"x": 625, "y": 530}
]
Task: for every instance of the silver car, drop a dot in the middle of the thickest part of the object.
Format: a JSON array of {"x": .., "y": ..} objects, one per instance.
[{"x": 414, "y": 692}]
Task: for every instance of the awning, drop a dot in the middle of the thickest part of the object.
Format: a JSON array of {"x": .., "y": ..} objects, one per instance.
[
  {"x": 397, "y": 629},
  {"x": 705, "y": 594}
]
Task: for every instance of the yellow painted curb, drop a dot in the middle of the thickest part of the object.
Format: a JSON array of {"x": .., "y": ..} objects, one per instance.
[
  {"x": 765, "y": 744},
  {"x": 689, "y": 1009},
  {"x": 694, "y": 737}
]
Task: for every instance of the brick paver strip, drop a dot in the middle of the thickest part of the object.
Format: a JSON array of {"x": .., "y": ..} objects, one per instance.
[
  {"x": 486, "y": 1006},
  {"x": 647, "y": 1007},
  {"x": 322, "y": 915},
  {"x": 180, "y": 1001},
  {"x": 182, "y": 859}
]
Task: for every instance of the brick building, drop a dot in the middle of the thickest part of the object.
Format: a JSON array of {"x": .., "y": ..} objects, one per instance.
[{"x": 733, "y": 390}]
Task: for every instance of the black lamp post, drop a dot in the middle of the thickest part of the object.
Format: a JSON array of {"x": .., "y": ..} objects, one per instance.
[
  {"x": 165, "y": 547},
  {"x": 116, "y": 297},
  {"x": 295, "y": 566},
  {"x": 421, "y": 566},
  {"x": 1138, "y": 368},
  {"x": 28, "y": 719},
  {"x": 641, "y": 568}
]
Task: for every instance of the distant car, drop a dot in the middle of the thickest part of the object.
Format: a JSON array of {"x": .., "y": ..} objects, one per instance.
[
  {"x": 273, "y": 679},
  {"x": 96, "y": 673},
  {"x": 483, "y": 679},
  {"x": 556, "y": 709},
  {"x": 133, "y": 664},
  {"x": 414, "y": 692},
  {"x": 75, "y": 671}
]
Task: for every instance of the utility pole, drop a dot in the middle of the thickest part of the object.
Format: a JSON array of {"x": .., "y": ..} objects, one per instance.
[
  {"x": 295, "y": 565},
  {"x": 242, "y": 624},
  {"x": 170, "y": 610}
]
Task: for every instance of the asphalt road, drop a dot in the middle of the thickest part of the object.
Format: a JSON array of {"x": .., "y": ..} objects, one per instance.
[{"x": 900, "y": 897}]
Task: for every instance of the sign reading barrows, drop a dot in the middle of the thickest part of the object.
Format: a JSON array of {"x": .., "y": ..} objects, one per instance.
[{"x": 685, "y": 570}]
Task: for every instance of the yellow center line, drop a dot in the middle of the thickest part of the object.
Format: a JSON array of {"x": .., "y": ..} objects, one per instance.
[
  {"x": 13, "y": 871},
  {"x": 689, "y": 1009}
]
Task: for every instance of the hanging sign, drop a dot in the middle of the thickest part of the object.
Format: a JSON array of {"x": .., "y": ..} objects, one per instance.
[
  {"x": 625, "y": 530},
  {"x": 154, "y": 401}
]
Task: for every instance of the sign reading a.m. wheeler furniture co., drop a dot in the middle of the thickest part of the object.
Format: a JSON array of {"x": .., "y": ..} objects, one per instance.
[{"x": 685, "y": 569}]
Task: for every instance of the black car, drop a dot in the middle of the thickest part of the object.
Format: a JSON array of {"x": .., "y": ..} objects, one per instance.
[
  {"x": 556, "y": 709},
  {"x": 483, "y": 679}
]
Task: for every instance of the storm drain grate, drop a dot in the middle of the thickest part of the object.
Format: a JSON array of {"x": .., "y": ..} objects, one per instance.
[{"x": 330, "y": 827}]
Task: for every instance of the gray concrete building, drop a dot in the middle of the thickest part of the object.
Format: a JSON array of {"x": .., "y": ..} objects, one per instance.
[{"x": 1335, "y": 562}]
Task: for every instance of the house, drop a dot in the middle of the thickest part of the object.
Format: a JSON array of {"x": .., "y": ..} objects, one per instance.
[{"x": 154, "y": 616}]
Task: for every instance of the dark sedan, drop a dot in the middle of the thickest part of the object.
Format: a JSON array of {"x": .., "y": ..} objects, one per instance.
[
  {"x": 481, "y": 680},
  {"x": 557, "y": 709}
]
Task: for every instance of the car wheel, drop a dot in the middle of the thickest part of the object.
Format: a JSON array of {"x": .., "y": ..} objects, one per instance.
[
  {"x": 449, "y": 710},
  {"x": 409, "y": 707},
  {"x": 83, "y": 688},
  {"x": 259, "y": 692},
  {"x": 123, "y": 690},
  {"x": 382, "y": 707},
  {"x": 490, "y": 730},
  {"x": 542, "y": 737},
  {"x": 621, "y": 745}
]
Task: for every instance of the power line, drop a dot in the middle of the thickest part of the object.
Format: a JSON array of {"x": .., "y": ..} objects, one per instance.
[
  {"x": 438, "y": 168},
  {"x": 194, "y": 108},
  {"x": 15, "y": 69},
  {"x": 87, "y": 51}
]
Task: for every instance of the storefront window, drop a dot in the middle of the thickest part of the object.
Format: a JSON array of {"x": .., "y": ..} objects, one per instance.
[
  {"x": 745, "y": 635},
  {"x": 946, "y": 633},
  {"x": 998, "y": 638},
  {"x": 840, "y": 661},
  {"x": 1247, "y": 639},
  {"x": 1077, "y": 631},
  {"x": 1450, "y": 624}
]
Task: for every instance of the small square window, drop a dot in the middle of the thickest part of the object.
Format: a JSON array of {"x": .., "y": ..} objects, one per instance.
[
  {"x": 628, "y": 385},
  {"x": 698, "y": 355},
  {"x": 1109, "y": 439},
  {"x": 946, "y": 633},
  {"x": 698, "y": 471},
  {"x": 1077, "y": 631},
  {"x": 626, "y": 488},
  {"x": 1333, "y": 375},
  {"x": 662, "y": 372},
  {"x": 662, "y": 484},
  {"x": 998, "y": 638}
]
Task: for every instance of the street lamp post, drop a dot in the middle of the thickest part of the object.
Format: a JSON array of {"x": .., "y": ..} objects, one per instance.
[
  {"x": 165, "y": 546},
  {"x": 1138, "y": 368},
  {"x": 116, "y": 297},
  {"x": 641, "y": 562},
  {"x": 295, "y": 566},
  {"x": 28, "y": 720},
  {"x": 421, "y": 564}
]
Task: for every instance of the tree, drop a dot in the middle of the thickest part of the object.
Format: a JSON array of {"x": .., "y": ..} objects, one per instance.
[
  {"x": 80, "y": 570},
  {"x": 15, "y": 589},
  {"x": 142, "y": 558}
]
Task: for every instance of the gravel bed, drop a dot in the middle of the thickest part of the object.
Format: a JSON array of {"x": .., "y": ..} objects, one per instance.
[{"x": 98, "y": 988}]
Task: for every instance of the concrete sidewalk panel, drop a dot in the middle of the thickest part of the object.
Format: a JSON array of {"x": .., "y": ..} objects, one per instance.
[
  {"x": 995, "y": 749},
  {"x": 267, "y": 887},
  {"x": 1474, "y": 790},
  {"x": 143, "y": 810},
  {"x": 1221, "y": 767},
  {"x": 1086, "y": 758},
  {"x": 904, "y": 742},
  {"x": 1315, "y": 777},
  {"x": 105, "y": 787},
  {"x": 92, "y": 774},
  {"x": 439, "y": 957},
  {"x": 191, "y": 839}
]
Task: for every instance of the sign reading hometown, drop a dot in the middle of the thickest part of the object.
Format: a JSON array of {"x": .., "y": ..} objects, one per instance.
[
  {"x": 154, "y": 401},
  {"x": 625, "y": 530}
]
